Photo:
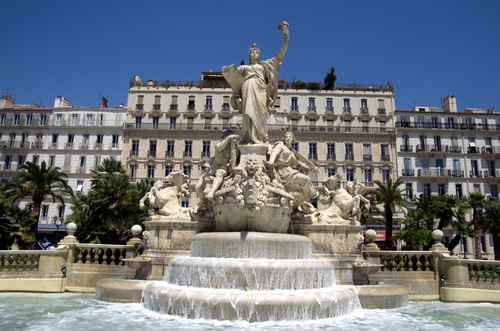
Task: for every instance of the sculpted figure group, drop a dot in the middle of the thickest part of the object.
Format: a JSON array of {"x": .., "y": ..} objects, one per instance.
[{"x": 252, "y": 184}]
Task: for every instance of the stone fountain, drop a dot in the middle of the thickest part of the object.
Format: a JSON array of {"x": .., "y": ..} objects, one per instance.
[{"x": 254, "y": 248}]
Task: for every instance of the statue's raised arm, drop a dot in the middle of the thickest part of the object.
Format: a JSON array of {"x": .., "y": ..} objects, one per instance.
[{"x": 283, "y": 27}]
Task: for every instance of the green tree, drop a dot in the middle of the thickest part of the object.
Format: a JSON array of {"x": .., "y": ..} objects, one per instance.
[
  {"x": 476, "y": 202},
  {"x": 490, "y": 222},
  {"x": 106, "y": 213},
  {"x": 14, "y": 223},
  {"x": 391, "y": 196},
  {"x": 39, "y": 183},
  {"x": 418, "y": 224}
]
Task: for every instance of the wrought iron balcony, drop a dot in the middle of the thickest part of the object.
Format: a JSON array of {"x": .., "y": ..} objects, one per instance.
[
  {"x": 408, "y": 172},
  {"x": 367, "y": 157},
  {"x": 455, "y": 173},
  {"x": 173, "y": 107},
  {"x": 406, "y": 148},
  {"x": 139, "y": 106}
]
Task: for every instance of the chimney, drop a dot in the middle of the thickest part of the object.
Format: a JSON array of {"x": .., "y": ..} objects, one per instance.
[
  {"x": 449, "y": 104},
  {"x": 7, "y": 101},
  {"x": 61, "y": 102},
  {"x": 104, "y": 102}
]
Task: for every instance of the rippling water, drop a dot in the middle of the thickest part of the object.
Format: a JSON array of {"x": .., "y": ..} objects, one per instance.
[{"x": 75, "y": 312}]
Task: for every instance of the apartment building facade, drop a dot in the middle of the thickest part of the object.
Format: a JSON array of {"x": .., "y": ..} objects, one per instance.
[
  {"x": 347, "y": 131},
  {"x": 74, "y": 139},
  {"x": 444, "y": 151}
]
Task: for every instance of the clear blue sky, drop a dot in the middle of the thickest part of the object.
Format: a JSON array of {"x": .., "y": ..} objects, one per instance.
[{"x": 87, "y": 49}]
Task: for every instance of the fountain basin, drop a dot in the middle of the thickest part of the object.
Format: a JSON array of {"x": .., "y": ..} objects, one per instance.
[
  {"x": 252, "y": 306},
  {"x": 251, "y": 274},
  {"x": 251, "y": 245}
]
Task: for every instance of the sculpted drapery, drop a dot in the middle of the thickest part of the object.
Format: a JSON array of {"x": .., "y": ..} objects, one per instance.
[{"x": 255, "y": 89}]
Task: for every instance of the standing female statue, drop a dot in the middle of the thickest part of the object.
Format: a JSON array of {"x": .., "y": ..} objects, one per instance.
[{"x": 255, "y": 88}]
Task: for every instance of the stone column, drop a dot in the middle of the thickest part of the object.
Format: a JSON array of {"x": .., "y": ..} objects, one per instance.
[
  {"x": 470, "y": 247},
  {"x": 489, "y": 250}
]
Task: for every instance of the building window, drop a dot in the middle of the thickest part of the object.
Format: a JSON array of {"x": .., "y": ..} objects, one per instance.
[
  {"x": 79, "y": 186},
  {"x": 427, "y": 189},
  {"x": 409, "y": 191},
  {"x": 52, "y": 160},
  {"x": 295, "y": 146},
  {"x": 186, "y": 169},
  {"x": 367, "y": 152},
  {"x": 312, "y": 104},
  {"x": 184, "y": 203},
  {"x": 349, "y": 154},
  {"x": 170, "y": 148},
  {"x": 35, "y": 159},
  {"x": 494, "y": 191},
  {"x": 277, "y": 102},
  {"x": 55, "y": 138},
  {"x": 168, "y": 169},
  {"x": 458, "y": 191},
  {"x": 329, "y": 105},
  {"x": 132, "y": 170},
  {"x": 349, "y": 174},
  {"x": 188, "y": 148},
  {"x": 173, "y": 122},
  {"x": 157, "y": 103},
  {"x": 115, "y": 139},
  {"x": 206, "y": 149},
  {"x": 138, "y": 122},
  {"x": 60, "y": 211},
  {"x": 152, "y": 148},
  {"x": 173, "y": 103},
  {"x": 295, "y": 104},
  {"x": 20, "y": 161},
  {"x": 386, "y": 175},
  {"x": 208, "y": 103},
  {"x": 135, "y": 147},
  {"x": 368, "y": 176},
  {"x": 43, "y": 119},
  {"x": 330, "y": 151},
  {"x": 384, "y": 152},
  {"x": 347, "y": 105},
  {"x": 99, "y": 140},
  {"x": 191, "y": 104},
  {"x": 29, "y": 119},
  {"x": 156, "y": 122},
  {"x": 45, "y": 212},
  {"x": 97, "y": 161},
  {"x": 313, "y": 155},
  {"x": 477, "y": 188},
  {"x": 151, "y": 171},
  {"x": 225, "y": 103},
  {"x": 83, "y": 160},
  {"x": 17, "y": 119},
  {"x": 8, "y": 161},
  {"x": 364, "y": 105},
  {"x": 140, "y": 102},
  {"x": 441, "y": 189},
  {"x": 331, "y": 172},
  {"x": 381, "y": 105}
]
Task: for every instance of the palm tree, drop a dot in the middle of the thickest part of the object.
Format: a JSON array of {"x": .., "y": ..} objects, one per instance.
[
  {"x": 476, "y": 201},
  {"x": 490, "y": 222},
  {"x": 391, "y": 196},
  {"x": 39, "y": 183}
]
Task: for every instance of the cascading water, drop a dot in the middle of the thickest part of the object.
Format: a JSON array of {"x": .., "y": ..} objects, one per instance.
[{"x": 253, "y": 277}]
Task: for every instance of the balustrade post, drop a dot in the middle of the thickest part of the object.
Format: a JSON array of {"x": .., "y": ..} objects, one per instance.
[
  {"x": 455, "y": 271},
  {"x": 135, "y": 241},
  {"x": 70, "y": 236},
  {"x": 372, "y": 251}
]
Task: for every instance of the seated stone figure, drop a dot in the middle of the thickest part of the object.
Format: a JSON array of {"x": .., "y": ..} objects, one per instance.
[
  {"x": 291, "y": 170},
  {"x": 340, "y": 201},
  {"x": 225, "y": 158},
  {"x": 164, "y": 197}
]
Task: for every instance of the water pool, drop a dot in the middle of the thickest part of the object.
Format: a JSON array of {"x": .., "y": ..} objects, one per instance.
[{"x": 75, "y": 312}]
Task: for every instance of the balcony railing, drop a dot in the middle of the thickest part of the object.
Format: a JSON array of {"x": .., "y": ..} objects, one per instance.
[
  {"x": 490, "y": 150},
  {"x": 408, "y": 172},
  {"x": 330, "y": 157},
  {"x": 156, "y": 107},
  {"x": 406, "y": 148},
  {"x": 173, "y": 107},
  {"x": 446, "y": 126},
  {"x": 367, "y": 157},
  {"x": 364, "y": 110},
  {"x": 294, "y": 108},
  {"x": 139, "y": 106},
  {"x": 329, "y": 109},
  {"x": 475, "y": 174},
  {"x": 208, "y": 108},
  {"x": 432, "y": 172},
  {"x": 472, "y": 150},
  {"x": 385, "y": 157},
  {"x": 381, "y": 111},
  {"x": 455, "y": 173},
  {"x": 276, "y": 128}
]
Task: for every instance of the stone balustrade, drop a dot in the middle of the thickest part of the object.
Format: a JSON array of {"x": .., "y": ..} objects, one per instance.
[
  {"x": 31, "y": 263},
  {"x": 102, "y": 254},
  {"x": 397, "y": 261},
  {"x": 470, "y": 273}
]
